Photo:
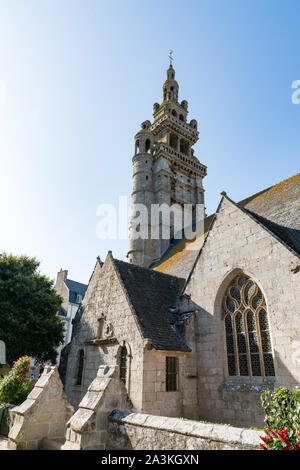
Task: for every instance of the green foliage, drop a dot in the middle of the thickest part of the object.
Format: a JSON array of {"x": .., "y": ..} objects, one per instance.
[
  {"x": 282, "y": 418},
  {"x": 15, "y": 387},
  {"x": 28, "y": 307}
]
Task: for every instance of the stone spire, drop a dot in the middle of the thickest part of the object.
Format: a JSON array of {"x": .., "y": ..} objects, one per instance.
[{"x": 170, "y": 87}]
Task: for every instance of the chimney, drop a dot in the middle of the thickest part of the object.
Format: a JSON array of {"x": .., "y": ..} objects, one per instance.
[{"x": 62, "y": 275}]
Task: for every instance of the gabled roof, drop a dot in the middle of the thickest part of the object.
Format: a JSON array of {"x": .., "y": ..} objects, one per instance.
[
  {"x": 277, "y": 208},
  {"x": 289, "y": 236},
  {"x": 74, "y": 289},
  {"x": 152, "y": 295}
]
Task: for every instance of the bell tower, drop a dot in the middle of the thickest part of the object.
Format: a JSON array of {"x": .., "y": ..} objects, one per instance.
[{"x": 165, "y": 171}]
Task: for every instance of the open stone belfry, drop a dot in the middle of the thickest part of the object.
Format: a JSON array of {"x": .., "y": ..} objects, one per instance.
[{"x": 165, "y": 171}]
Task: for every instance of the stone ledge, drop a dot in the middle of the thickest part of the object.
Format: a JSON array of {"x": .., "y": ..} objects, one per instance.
[
  {"x": 247, "y": 384},
  {"x": 208, "y": 431}
]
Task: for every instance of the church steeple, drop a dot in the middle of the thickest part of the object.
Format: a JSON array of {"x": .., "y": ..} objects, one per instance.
[
  {"x": 165, "y": 172},
  {"x": 170, "y": 87}
]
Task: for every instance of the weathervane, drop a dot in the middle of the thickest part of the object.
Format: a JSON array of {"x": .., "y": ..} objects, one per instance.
[{"x": 170, "y": 57}]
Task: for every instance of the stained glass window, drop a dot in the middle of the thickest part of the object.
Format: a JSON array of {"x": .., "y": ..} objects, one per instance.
[
  {"x": 266, "y": 343},
  {"x": 230, "y": 345},
  {"x": 248, "y": 342}
]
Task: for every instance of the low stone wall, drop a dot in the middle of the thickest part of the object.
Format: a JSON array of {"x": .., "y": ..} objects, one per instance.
[
  {"x": 43, "y": 415},
  {"x": 139, "y": 431},
  {"x": 87, "y": 429}
]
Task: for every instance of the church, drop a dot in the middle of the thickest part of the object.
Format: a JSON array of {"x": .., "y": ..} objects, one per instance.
[{"x": 198, "y": 327}]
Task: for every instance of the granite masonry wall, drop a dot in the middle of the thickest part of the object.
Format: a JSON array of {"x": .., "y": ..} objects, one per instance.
[
  {"x": 43, "y": 415},
  {"x": 87, "y": 428},
  {"x": 184, "y": 401}
]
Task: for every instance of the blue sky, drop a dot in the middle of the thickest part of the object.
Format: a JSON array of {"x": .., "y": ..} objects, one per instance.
[{"x": 77, "y": 79}]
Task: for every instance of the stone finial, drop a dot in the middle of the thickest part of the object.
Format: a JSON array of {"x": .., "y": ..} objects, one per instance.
[{"x": 223, "y": 193}]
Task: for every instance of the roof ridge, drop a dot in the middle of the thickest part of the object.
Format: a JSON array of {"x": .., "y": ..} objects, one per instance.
[
  {"x": 77, "y": 282},
  {"x": 135, "y": 266},
  {"x": 243, "y": 201}
]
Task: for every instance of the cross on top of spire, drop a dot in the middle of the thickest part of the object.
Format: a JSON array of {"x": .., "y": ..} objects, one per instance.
[{"x": 170, "y": 57}]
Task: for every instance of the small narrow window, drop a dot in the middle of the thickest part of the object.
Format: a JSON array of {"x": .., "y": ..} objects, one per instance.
[
  {"x": 123, "y": 364},
  {"x": 80, "y": 367},
  {"x": 171, "y": 374}
]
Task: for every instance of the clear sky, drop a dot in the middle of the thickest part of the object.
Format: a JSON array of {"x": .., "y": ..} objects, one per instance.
[{"x": 78, "y": 77}]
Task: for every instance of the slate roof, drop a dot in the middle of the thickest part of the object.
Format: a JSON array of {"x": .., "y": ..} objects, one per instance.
[
  {"x": 151, "y": 295},
  {"x": 277, "y": 208},
  {"x": 74, "y": 289}
]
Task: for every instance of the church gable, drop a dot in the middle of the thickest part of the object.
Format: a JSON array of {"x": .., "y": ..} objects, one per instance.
[
  {"x": 236, "y": 234},
  {"x": 106, "y": 326},
  {"x": 277, "y": 208},
  {"x": 238, "y": 246},
  {"x": 106, "y": 312}
]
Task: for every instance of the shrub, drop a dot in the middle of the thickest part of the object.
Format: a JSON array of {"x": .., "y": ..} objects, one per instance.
[
  {"x": 282, "y": 418},
  {"x": 15, "y": 387}
]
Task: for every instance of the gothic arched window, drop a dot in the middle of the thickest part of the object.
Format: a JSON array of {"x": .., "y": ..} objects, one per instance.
[
  {"x": 248, "y": 343},
  {"x": 80, "y": 367}
]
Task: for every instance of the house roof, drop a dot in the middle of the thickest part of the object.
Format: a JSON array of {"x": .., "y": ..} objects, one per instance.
[
  {"x": 74, "y": 289},
  {"x": 152, "y": 295},
  {"x": 277, "y": 208}
]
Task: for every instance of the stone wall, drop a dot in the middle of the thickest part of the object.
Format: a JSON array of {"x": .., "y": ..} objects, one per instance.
[
  {"x": 139, "y": 431},
  {"x": 184, "y": 401},
  {"x": 87, "y": 428},
  {"x": 237, "y": 243},
  {"x": 43, "y": 415}
]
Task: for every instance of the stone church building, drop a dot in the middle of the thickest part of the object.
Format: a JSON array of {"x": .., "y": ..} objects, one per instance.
[{"x": 199, "y": 328}]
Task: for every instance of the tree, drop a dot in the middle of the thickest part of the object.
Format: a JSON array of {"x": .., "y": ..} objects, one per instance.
[{"x": 28, "y": 307}]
